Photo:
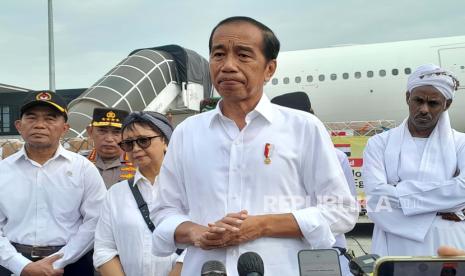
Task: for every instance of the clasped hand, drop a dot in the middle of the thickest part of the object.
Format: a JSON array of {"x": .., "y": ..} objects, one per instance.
[{"x": 233, "y": 229}]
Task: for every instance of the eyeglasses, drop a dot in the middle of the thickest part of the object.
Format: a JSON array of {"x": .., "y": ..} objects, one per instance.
[{"x": 142, "y": 142}]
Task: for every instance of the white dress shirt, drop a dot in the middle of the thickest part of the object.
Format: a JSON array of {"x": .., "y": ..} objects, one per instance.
[
  {"x": 405, "y": 212},
  {"x": 212, "y": 168},
  {"x": 122, "y": 231},
  {"x": 56, "y": 203}
]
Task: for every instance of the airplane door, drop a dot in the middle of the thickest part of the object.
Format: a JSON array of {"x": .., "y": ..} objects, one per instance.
[{"x": 453, "y": 59}]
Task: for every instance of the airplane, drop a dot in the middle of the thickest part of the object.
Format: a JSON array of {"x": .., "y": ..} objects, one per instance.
[{"x": 367, "y": 82}]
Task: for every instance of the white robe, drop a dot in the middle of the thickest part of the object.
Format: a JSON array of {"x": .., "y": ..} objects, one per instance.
[{"x": 404, "y": 206}]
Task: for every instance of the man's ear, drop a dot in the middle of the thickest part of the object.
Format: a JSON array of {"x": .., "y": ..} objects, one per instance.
[
  {"x": 270, "y": 69},
  {"x": 448, "y": 103},
  {"x": 18, "y": 126},
  {"x": 407, "y": 97},
  {"x": 89, "y": 130},
  {"x": 65, "y": 129}
]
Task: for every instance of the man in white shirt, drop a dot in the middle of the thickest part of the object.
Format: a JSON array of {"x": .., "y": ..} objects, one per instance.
[
  {"x": 249, "y": 175},
  {"x": 414, "y": 174},
  {"x": 49, "y": 197}
]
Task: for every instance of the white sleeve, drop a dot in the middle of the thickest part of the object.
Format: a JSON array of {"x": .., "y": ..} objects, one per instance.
[
  {"x": 170, "y": 210},
  {"x": 180, "y": 258},
  {"x": 9, "y": 257},
  {"x": 335, "y": 211},
  {"x": 419, "y": 197},
  {"x": 104, "y": 244}
]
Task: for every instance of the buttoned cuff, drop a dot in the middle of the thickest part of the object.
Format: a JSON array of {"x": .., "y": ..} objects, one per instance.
[
  {"x": 60, "y": 263},
  {"x": 17, "y": 263},
  {"x": 163, "y": 240},
  {"x": 315, "y": 229}
]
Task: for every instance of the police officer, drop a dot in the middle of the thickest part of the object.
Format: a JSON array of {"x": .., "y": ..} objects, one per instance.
[
  {"x": 49, "y": 197},
  {"x": 105, "y": 131}
]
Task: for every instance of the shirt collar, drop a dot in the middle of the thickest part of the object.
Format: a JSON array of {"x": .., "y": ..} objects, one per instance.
[
  {"x": 19, "y": 154},
  {"x": 263, "y": 108},
  {"x": 61, "y": 151},
  {"x": 139, "y": 177}
]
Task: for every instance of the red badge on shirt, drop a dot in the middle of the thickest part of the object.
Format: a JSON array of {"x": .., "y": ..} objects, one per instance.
[{"x": 267, "y": 153}]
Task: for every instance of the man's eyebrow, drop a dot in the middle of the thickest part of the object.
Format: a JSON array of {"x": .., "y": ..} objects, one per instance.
[
  {"x": 244, "y": 48},
  {"x": 426, "y": 98},
  {"x": 217, "y": 47}
]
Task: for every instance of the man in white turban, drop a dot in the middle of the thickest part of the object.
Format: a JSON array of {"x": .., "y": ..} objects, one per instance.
[{"x": 414, "y": 174}]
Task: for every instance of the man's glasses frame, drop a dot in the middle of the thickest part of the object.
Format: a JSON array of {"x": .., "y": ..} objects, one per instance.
[{"x": 142, "y": 142}]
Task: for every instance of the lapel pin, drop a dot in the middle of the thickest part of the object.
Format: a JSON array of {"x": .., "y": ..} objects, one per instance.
[{"x": 267, "y": 153}]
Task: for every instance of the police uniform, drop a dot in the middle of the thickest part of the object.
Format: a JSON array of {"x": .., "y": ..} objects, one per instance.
[
  {"x": 119, "y": 169},
  {"x": 115, "y": 171},
  {"x": 51, "y": 207}
]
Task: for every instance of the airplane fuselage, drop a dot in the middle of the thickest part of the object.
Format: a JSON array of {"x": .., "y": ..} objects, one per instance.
[{"x": 367, "y": 82}]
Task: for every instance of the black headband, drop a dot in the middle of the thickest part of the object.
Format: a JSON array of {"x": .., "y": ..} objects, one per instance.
[{"x": 153, "y": 118}]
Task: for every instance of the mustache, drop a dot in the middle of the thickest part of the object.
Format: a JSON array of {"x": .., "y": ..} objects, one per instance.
[{"x": 421, "y": 116}]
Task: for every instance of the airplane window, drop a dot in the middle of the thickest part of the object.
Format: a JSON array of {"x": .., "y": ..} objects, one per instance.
[
  {"x": 309, "y": 78},
  {"x": 462, "y": 67},
  {"x": 407, "y": 71},
  {"x": 395, "y": 72},
  {"x": 274, "y": 81},
  {"x": 333, "y": 76},
  {"x": 345, "y": 76},
  {"x": 286, "y": 80},
  {"x": 370, "y": 74},
  {"x": 358, "y": 75},
  {"x": 297, "y": 79},
  {"x": 321, "y": 77},
  {"x": 382, "y": 73}
]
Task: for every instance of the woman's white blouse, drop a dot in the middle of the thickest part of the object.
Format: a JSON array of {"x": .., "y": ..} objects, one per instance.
[{"x": 122, "y": 231}]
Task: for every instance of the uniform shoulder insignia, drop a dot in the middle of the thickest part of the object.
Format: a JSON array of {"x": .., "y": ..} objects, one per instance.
[{"x": 92, "y": 156}]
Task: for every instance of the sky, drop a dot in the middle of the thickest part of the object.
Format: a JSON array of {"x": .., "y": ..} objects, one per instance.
[{"x": 92, "y": 36}]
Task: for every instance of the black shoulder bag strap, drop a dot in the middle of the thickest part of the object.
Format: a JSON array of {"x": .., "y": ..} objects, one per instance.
[
  {"x": 143, "y": 208},
  {"x": 141, "y": 204}
]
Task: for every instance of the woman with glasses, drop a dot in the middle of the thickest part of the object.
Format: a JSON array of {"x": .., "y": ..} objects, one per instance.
[{"x": 123, "y": 237}]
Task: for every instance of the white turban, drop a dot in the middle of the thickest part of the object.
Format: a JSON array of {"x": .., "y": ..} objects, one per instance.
[{"x": 430, "y": 74}]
